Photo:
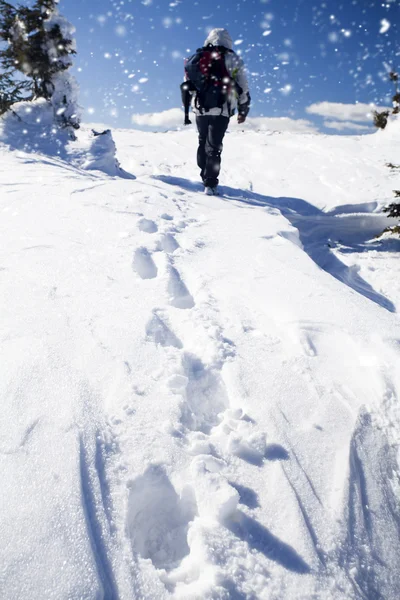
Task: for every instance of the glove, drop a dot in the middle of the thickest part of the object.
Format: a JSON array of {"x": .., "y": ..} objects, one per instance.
[{"x": 241, "y": 118}]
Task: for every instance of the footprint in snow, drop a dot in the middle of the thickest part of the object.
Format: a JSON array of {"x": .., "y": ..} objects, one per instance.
[
  {"x": 179, "y": 294},
  {"x": 143, "y": 264},
  {"x": 169, "y": 243},
  {"x": 205, "y": 395},
  {"x": 239, "y": 437},
  {"x": 307, "y": 344},
  {"x": 158, "y": 331},
  {"x": 158, "y": 518},
  {"x": 147, "y": 225}
]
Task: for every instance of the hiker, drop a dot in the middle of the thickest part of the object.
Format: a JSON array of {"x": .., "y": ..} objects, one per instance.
[{"x": 215, "y": 80}]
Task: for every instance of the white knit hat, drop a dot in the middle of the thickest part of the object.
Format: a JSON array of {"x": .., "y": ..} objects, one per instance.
[{"x": 219, "y": 37}]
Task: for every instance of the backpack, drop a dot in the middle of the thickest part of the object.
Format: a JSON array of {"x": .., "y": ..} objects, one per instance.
[{"x": 207, "y": 71}]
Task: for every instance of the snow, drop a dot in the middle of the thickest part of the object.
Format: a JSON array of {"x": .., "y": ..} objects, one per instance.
[
  {"x": 385, "y": 26},
  {"x": 101, "y": 154},
  {"x": 199, "y": 394}
]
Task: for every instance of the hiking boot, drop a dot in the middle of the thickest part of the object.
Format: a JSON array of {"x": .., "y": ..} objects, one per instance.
[{"x": 211, "y": 191}]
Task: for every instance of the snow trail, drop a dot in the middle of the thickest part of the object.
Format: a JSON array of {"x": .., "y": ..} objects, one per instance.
[{"x": 200, "y": 395}]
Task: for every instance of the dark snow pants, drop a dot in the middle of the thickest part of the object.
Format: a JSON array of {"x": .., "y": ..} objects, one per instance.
[{"x": 211, "y": 130}]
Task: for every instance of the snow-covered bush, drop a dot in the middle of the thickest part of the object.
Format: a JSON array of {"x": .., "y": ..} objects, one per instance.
[{"x": 102, "y": 154}]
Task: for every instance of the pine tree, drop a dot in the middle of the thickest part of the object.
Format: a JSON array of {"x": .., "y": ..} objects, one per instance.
[
  {"x": 381, "y": 118},
  {"x": 393, "y": 211},
  {"x": 8, "y": 14},
  {"x": 48, "y": 59},
  {"x": 12, "y": 88},
  {"x": 11, "y": 91},
  {"x": 46, "y": 44},
  {"x": 40, "y": 45},
  {"x": 396, "y": 98}
]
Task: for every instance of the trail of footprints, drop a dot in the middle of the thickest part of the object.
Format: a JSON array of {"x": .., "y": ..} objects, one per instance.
[
  {"x": 213, "y": 432},
  {"x": 144, "y": 265}
]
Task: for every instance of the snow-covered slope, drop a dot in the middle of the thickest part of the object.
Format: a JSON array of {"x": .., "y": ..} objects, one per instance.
[{"x": 199, "y": 396}]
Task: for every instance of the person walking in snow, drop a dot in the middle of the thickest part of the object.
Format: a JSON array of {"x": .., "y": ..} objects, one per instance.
[{"x": 216, "y": 84}]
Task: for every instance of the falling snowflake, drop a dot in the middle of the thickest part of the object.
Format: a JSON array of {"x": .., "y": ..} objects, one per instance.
[
  {"x": 286, "y": 89},
  {"x": 167, "y": 22},
  {"x": 121, "y": 31}
]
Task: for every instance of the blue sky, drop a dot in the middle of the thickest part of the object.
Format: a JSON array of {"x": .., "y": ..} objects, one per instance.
[{"x": 298, "y": 52}]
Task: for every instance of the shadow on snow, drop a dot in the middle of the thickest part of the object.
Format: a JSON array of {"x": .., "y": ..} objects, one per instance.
[
  {"x": 55, "y": 146},
  {"x": 320, "y": 232},
  {"x": 261, "y": 539}
]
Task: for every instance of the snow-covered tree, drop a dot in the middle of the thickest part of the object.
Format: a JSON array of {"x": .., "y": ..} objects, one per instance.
[
  {"x": 12, "y": 88},
  {"x": 40, "y": 45}
]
